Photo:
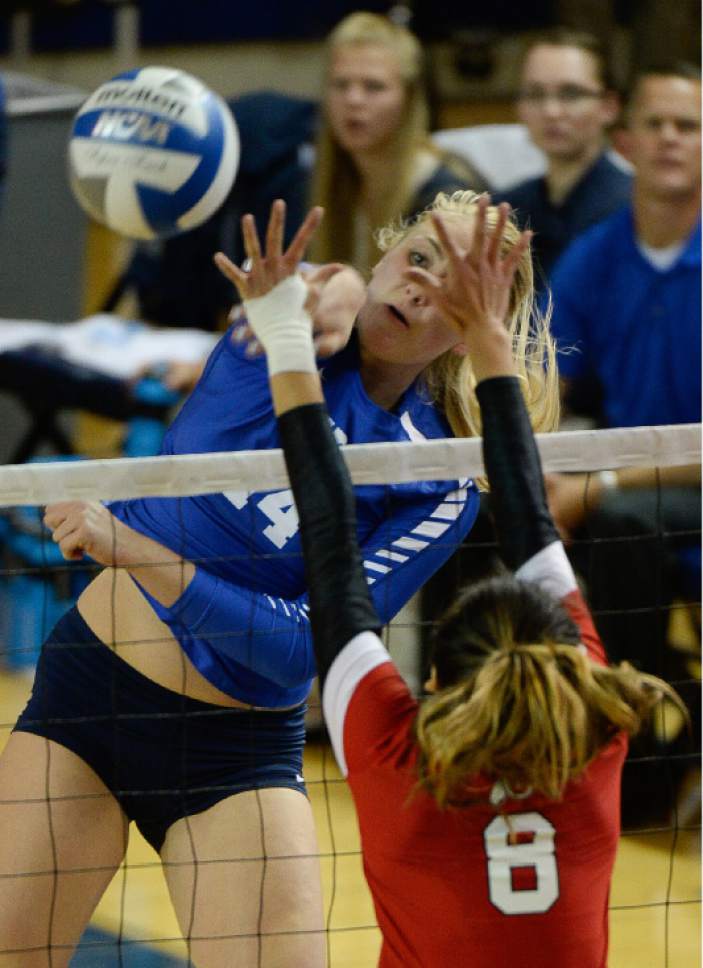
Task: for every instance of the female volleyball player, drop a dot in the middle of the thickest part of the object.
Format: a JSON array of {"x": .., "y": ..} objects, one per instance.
[
  {"x": 373, "y": 145},
  {"x": 190, "y": 723},
  {"x": 489, "y": 814}
]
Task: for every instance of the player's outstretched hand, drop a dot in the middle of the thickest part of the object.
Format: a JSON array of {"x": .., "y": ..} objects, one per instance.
[
  {"x": 330, "y": 296},
  {"x": 274, "y": 293},
  {"x": 336, "y": 293},
  {"x": 266, "y": 269},
  {"x": 475, "y": 293}
]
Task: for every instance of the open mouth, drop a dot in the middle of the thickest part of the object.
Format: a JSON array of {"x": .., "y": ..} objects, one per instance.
[{"x": 398, "y": 315}]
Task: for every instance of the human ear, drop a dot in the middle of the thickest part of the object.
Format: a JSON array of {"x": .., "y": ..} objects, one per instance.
[
  {"x": 460, "y": 349},
  {"x": 431, "y": 683}
]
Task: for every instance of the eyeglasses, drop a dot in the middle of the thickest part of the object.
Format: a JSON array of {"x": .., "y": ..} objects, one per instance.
[{"x": 570, "y": 95}]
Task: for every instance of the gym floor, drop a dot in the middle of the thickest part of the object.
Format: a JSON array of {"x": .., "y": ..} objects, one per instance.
[{"x": 655, "y": 901}]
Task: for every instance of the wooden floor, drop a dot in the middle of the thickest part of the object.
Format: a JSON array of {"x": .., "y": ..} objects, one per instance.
[{"x": 655, "y": 916}]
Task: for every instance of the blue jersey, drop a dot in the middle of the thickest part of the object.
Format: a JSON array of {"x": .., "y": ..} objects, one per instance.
[
  {"x": 243, "y": 618},
  {"x": 635, "y": 328},
  {"x": 603, "y": 189}
]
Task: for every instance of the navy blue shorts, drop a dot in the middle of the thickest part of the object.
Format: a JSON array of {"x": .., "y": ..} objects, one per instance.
[{"x": 162, "y": 755}]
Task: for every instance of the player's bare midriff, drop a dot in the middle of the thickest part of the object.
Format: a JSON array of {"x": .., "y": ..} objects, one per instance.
[{"x": 118, "y": 614}]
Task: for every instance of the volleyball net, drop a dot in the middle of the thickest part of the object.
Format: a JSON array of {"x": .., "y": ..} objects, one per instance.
[
  {"x": 639, "y": 566},
  {"x": 382, "y": 463}
]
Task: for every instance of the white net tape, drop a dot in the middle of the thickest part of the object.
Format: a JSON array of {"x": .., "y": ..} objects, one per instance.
[{"x": 122, "y": 478}]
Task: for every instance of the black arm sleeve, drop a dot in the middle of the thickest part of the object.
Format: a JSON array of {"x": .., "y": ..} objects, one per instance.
[
  {"x": 340, "y": 603},
  {"x": 517, "y": 500}
]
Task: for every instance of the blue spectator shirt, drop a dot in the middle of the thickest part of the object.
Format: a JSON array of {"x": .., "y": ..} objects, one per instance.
[
  {"x": 634, "y": 328},
  {"x": 602, "y": 190}
]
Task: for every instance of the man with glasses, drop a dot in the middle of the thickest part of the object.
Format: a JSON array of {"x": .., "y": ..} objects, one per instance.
[
  {"x": 567, "y": 102},
  {"x": 627, "y": 311}
]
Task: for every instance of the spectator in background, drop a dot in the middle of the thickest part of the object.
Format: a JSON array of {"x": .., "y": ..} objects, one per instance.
[
  {"x": 567, "y": 101},
  {"x": 374, "y": 163},
  {"x": 373, "y": 149},
  {"x": 627, "y": 299}
]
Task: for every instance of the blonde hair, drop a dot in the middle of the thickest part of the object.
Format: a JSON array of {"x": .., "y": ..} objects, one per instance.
[
  {"x": 336, "y": 178},
  {"x": 450, "y": 379},
  {"x": 522, "y": 702}
]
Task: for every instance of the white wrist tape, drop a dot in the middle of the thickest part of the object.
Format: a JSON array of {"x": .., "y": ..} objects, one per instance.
[{"x": 283, "y": 327}]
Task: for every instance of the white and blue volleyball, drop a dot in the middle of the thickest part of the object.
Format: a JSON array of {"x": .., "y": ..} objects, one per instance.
[{"x": 153, "y": 152}]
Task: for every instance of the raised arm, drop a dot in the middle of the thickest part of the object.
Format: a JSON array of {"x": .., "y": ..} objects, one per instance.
[
  {"x": 476, "y": 298},
  {"x": 229, "y": 617},
  {"x": 340, "y": 604},
  {"x": 527, "y": 537}
]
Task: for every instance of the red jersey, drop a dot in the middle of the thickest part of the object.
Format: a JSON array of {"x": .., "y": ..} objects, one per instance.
[{"x": 449, "y": 889}]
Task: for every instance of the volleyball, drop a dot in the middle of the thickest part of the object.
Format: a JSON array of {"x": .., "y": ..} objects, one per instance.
[{"x": 152, "y": 152}]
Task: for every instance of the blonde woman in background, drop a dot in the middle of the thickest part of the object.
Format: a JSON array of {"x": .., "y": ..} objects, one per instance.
[{"x": 375, "y": 160}]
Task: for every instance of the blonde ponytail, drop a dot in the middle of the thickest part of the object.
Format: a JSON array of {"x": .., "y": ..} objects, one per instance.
[{"x": 532, "y": 713}]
